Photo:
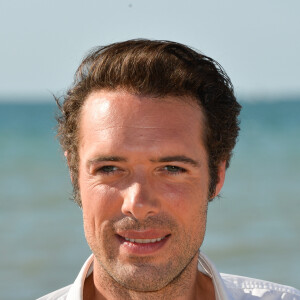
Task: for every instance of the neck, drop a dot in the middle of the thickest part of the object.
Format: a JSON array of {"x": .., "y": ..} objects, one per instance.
[{"x": 189, "y": 284}]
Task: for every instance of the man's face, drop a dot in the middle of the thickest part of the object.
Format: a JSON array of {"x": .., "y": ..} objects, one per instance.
[{"x": 143, "y": 178}]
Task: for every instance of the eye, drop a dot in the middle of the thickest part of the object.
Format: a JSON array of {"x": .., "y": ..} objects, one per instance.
[
  {"x": 174, "y": 169},
  {"x": 106, "y": 170}
]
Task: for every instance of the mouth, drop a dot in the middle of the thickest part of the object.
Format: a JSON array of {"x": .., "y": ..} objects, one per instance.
[
  {"x": 132, "y": 245},
  {"x": 144, "y": 241}
]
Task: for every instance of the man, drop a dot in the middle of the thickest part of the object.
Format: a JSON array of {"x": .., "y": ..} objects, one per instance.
[{"x": 148, "y": 129}]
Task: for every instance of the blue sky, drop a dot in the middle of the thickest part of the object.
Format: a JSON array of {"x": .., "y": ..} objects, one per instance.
[{"x": 257, "y": 42}]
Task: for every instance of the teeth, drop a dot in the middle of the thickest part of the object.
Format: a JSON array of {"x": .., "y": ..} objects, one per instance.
[{"x": 144, "y": 241}]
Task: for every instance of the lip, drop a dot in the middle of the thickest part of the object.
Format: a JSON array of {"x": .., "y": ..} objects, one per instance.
[
  {"x": 143, "y": 234},
  {"x": 142, "y": 249}
]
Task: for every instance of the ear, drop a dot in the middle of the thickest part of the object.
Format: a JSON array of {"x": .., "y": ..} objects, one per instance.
[
  {"x": 221, "y": 176},
  {"x": 66, "y": 156}
]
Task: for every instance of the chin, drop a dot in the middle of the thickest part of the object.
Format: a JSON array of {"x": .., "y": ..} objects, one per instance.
[{"x": 143, "y": 278}]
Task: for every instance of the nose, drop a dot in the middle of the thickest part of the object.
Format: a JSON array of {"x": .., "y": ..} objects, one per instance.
[{"x": 139, "y": 201}]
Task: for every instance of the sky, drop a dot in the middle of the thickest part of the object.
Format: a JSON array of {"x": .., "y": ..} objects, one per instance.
[{"x": 42, "y": 42}]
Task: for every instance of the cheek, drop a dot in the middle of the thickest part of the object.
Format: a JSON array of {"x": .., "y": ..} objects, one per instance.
[
  {"x": 187, "y": 201},
  {"x": 99, "y": 202},
  {"x": 99, "y": 207}
]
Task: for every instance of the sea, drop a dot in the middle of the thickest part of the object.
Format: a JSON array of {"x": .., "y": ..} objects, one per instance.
[{"x": 253, "y": 229}]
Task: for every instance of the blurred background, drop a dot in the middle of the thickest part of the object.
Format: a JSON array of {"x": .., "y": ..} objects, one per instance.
[{"x": 253, "y": 229}]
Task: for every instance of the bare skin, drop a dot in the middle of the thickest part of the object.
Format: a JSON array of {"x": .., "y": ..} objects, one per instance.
[
  {"x": 144, "y": 180},
  {"x": 201, "y": 289}
]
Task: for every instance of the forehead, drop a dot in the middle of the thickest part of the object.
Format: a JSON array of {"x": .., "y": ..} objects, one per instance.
[
  {"x": 104, "y": 103},
  {"x": 121, "y": 115}
]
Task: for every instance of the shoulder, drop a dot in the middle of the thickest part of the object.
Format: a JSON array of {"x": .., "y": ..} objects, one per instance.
[
  {"x": 60, "y": 294},
  {"x": 245, "y": 288}
]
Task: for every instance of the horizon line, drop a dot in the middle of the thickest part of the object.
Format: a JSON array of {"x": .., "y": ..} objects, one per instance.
[{"x": 37, "y": 98}]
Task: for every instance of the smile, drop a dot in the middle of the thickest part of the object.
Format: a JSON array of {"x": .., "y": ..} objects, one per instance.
[
  {"x": 144, "y": 241},
  {"x": 135, "y": 245}
]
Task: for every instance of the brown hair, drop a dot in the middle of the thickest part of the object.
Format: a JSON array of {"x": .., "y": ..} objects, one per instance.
[{"x": 156, "y": 69}]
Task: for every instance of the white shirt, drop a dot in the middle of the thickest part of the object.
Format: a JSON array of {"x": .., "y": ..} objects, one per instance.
[{"x": 227, "y": 287}]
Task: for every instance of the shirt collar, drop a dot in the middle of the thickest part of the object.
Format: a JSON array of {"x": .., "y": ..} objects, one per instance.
[
  {"x": 76, "y": 290},
  {"x": 207, "y": 267}
]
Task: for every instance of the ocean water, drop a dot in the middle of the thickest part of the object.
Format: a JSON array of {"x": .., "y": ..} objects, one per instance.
[{"x": 253, "y": 229}]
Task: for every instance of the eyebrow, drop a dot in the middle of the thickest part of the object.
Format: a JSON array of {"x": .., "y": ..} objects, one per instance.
[
  {"x": 179, "y": 158},
  {"x": 175, "y": 158},
  {"x": 106, "y": 158}
]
